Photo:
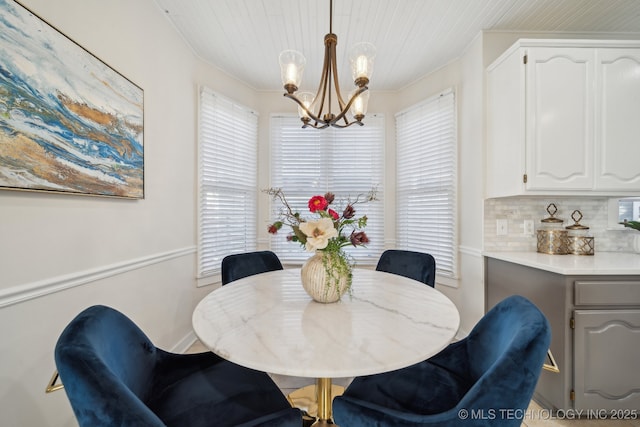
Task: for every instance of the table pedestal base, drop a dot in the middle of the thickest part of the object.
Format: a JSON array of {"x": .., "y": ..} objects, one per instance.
[
  {"x": 323, "y": 423},
  {"x": 315, "y": 401}
]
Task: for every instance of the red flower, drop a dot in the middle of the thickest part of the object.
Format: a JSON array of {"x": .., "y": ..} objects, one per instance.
[
  {"x": 333, "y": 214},
  {"x": 273, "y": 228},
  {"x": 317, "y": 203}
]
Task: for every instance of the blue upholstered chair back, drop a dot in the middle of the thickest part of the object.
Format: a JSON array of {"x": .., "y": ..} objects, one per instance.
[
  {"x": 414, "y": 265},
  {"x": 237, "y": 266},
  {"x": 496, "y": 367},
  {"x": 89, "y": 364},
  {"x": 506, "y": 351},
  {"x": 114, "y": 376}
]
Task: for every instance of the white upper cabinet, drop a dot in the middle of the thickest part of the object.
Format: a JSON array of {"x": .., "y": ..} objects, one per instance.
[
  {"x": 560, "y": 119},
  {"x": 617, "y": 162},
  {"x": 559, "y": 122}
]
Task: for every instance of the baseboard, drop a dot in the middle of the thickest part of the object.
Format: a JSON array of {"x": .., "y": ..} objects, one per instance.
[
  {"x": 22, "y": 293},
  {"x": 185, "y": 343}
]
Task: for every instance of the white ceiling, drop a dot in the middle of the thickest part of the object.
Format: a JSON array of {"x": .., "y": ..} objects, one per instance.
[{"x": 413, "y": 37}]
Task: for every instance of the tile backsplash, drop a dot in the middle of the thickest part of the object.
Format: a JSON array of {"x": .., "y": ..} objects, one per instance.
[{"x": 518, "y": 209}]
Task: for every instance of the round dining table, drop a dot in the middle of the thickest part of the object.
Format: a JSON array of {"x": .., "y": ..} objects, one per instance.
[{"x": 268, "y": 322}]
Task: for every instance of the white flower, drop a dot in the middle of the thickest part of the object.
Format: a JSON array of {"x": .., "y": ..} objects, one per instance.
[{"x": 318, "y": 233}]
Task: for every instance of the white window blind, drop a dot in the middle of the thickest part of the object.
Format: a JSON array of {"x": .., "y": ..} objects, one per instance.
[
  {"x": 426, "y": 136},
  {"x": 228, "y": 141},
  {"x": 346, "y": 162}
]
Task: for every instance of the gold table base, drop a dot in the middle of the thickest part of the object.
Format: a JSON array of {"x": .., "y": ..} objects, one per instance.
[{"x": 315, "y": 401}]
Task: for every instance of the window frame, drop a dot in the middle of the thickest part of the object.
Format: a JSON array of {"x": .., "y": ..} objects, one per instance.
[
  {"x": 227, "y": 172},
  {"x": 437, "y": 184}
]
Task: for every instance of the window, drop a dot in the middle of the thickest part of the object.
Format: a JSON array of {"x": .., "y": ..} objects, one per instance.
[
  {"x": 228, "y": 141},
  {"x": 623, "y": 208},
  {"x": 347, "y": 162},
  {"x": 426, "y": 180},
  {"x": 629, "y": 209}
]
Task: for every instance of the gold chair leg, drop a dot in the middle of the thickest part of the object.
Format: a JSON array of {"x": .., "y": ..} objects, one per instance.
[{"x": 51, "y": 385}]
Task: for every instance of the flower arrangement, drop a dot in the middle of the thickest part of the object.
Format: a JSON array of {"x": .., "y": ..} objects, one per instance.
[{"x": 326, "y": 230}]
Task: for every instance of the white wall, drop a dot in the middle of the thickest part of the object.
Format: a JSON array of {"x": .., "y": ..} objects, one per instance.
[
  {"x": 466, "y": 76},
  {"x": 60, "y": 253},
  {"x": 471, "y": 184}
]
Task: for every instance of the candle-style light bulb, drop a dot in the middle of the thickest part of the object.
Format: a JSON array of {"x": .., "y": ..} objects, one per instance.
[
  {"x": 307, "y": 99},
  {"x": 292, "y": 65},
  {"x": 359, "y": 105},
  {"x": 361, "y": 67},
  {"x": 291, "y": 74},
  {"x": 361, "y": 57}
]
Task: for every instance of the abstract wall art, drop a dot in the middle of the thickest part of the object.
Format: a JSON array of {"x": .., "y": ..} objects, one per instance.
[{"x": 69, "y": 123}]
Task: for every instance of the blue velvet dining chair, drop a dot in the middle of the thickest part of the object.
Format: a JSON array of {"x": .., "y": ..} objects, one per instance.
[
  {"x": 414, "y": 265},
  {"x": 237, "y": 266},
  {"x": 485, "y": 379},
  {"x": 114, "y": 376}
]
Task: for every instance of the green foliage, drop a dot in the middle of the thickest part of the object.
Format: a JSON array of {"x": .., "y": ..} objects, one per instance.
[
  {"x": 631, "y": 224},
  {"x": 336, "y": 265}
]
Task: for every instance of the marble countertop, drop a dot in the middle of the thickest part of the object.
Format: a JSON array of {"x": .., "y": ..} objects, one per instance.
[
  {"x": 269, "y": 323},
  {"x": 605, "y": 263}
]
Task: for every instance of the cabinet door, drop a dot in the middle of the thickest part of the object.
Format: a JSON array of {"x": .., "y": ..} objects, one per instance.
[
  {"x": 617, "y": 163},
  {"x": 505, "y": 127},
  {"x": 606, "y": 351},
  {"x": 559, "y": 118}
]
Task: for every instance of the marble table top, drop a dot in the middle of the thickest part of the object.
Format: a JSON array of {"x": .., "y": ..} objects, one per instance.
[{"x": 269, "y": 323}]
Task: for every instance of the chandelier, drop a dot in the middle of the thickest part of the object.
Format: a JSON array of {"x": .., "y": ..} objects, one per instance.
[{"x": 315, "y": 110}]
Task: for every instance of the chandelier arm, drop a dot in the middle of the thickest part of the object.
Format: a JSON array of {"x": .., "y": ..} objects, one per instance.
[
  {"x": 329, "y": 115},
  {"x": 315, "y": 126},
  {"x": 324, "y": 83},
  {"x": 334, "y": 72},
  {"x": 336, "y": 119},
  {"x": 346, "y": 108},
  {"x": 336, "y": 125},
  {"x": 306, "y": 110}
]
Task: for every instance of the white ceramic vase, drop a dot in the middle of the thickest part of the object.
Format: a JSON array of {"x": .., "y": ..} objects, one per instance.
[{"x": 319, "y": 284}]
